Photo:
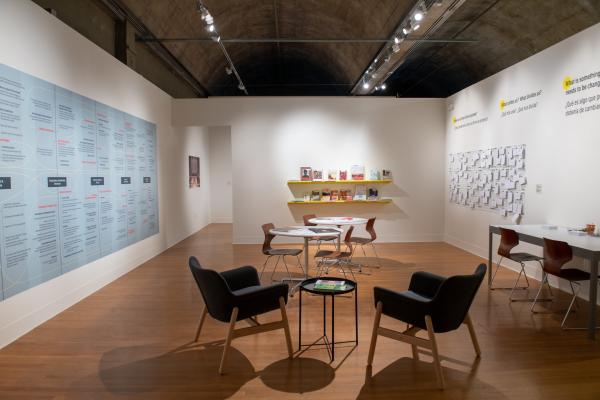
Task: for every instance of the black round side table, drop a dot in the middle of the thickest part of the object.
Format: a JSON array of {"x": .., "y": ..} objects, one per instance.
[{"x": 308, "y": 285}]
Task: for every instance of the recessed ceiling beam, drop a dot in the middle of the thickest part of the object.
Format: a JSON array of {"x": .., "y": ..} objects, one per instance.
[{"x": 281, "y": 40}]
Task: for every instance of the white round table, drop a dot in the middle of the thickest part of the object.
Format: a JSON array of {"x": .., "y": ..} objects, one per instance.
[
  {"x": 306, "y": 232},
  {"x": 338, "y": 221}
]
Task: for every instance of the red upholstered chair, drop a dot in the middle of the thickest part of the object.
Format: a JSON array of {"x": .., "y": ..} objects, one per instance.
[
  {"x": 557, "y": 254},
  {"x": 509, "y": 239}
]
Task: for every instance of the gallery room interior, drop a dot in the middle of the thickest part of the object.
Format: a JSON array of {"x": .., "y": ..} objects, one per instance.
[{"x": 280, "y": 198}]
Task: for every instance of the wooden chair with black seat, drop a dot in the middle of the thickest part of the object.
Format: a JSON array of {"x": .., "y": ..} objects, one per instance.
[
  {"x": 235, "y": 295},
  {"x": 335, "y": 258},
  {"x": 306, "y": 218},
  {"x": 556, "y": 255},
  {"x": 509, "y": 239},
  {"x": 362, "y": 241},
  {"x": 281, "y": 254},
  {"x": 433, "y": 303}
]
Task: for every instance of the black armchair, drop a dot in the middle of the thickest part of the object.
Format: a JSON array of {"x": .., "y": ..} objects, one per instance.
[
  {"x": 432, "y": 303},
  {"x": 236, "y": 295}
]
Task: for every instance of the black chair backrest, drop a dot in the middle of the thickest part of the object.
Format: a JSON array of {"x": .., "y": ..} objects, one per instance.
[
  {"x": 214, "y": 290},
  {"x": 453, "y": 299}
]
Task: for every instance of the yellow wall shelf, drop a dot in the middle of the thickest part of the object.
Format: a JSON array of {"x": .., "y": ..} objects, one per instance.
[
  {"x": 346, "y": 182},
  {"x": 380, "y": 201}
]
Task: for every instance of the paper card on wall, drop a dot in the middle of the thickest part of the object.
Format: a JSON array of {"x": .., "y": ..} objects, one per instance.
[
  {"x": 502, "y": 160},
  {"x": 503, "y": 173},
  {"x": 520, "y": 164},
  {"x": 509, "y": 197},
  {"x": 518, "y": 195},
  {"x": 496, "y": 174},
  {"x": 522, "y": 180},
  {"x": 501, "y": 150}
]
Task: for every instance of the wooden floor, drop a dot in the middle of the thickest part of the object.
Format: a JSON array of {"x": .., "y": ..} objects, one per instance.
[{"x": 132, "y": 339}]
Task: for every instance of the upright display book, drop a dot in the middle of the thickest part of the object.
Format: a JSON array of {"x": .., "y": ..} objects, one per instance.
[
  {"x": 343, "y": 175},
  {"x": 374, "y": 175},
  {"x": 322, "y": 284},
  {"x": 372, "y": 194},
  {"x": 335, "y": 195},
  {"x": 358, "y": 172},
  {"x": 306, "y": 174},
  {"x": 325, "y": 195},
  {"x": 318, "y": 175},
  {"x": 316, "y": 195},
  {"x": 346, "y": 194},
  {"x": 386, "y": 174},
  {"x": 332, "y": 175},
  {"x": 361, "y": 192}
]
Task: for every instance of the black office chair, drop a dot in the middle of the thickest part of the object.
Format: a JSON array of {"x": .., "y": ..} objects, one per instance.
[
  {"x": 433, "y": 303},
  {"x": 235, "y": 295}
]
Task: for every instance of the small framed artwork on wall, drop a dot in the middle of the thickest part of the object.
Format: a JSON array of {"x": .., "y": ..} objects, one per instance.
[
  {"x": 306, "y": 174},
  {"x": 194, "y": 171}
]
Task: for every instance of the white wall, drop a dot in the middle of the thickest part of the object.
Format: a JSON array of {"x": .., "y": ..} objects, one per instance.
[
  {"x": 221, "y": 190},
  {"x": 562, "y": 151},
  {"x": 273, "y": 137},
  {"x": 193, "y": 203},
  {"x": 37, "y": 43}
]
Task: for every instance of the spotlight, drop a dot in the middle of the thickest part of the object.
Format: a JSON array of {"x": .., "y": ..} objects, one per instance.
[
  {"x": 416, "y": 27},
  {"x": 241, "y": 86},
  {"x": 211, "y": 28},
  {"x": 396, "y": 40},
  {"x": 365, "y": 85},
  {"x": 209, "y": 19},
  {"x": 418, "y": 16},
  {"x": 228, "y": 70},
  {"x": 383, "y": 86},
  {"x": 395, "y": 48}
]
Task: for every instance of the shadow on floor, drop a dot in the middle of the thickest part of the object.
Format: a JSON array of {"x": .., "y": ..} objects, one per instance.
[
  {"x": 407, "y": 378},
  {"x": 300, "y": 375},
  {"x": 188, "y": 369}
]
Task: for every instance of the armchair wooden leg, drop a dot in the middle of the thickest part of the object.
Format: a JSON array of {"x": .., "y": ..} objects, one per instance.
[
  {"x": 374, "y": 334},
  {"x": 229, "y": 338},
  {"x": 473, "y": 335},
  {"x": 434, "y": 350},
  {"x": 202, "y": 318},
  {"x": 286, "y": 327},
  {"x": 415, "y": 352}
]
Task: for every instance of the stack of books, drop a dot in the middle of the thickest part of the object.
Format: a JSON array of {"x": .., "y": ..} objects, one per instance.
[{"x": 322, "y": 284}]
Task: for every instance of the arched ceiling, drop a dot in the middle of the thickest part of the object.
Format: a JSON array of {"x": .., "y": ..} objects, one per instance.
[{"x": 506, "y": 32}]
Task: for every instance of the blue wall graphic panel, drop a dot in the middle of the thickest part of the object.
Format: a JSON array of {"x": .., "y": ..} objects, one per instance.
[{"x": 77, "y": 181}]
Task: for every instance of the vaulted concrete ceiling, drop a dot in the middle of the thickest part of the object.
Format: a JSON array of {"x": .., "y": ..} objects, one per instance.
[{"x": 506, "y": 32}]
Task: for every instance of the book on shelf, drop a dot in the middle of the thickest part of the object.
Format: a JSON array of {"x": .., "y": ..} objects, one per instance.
[
  {"x": 361, "y": 193},
  {"x": 343, "y": 175},
  {"x": 332, "y": 175},
  {"x": 345, "y": 194},
  {"x": 315, "y": 195},
  {"x": 323, "y": 284},
  {"x": 335, "y": 195},
  {"x": 306, "y": 196},
  {"x": 357, "y": 172},
  {"x": 306, "y": 174},
  {"x": 325, "y": 195},
  {"x": 318, "y": 175},
  {"x": 372, "y": 193},
  {"x": 386, "y": 174},
  {"x": 374, "y": 175}
]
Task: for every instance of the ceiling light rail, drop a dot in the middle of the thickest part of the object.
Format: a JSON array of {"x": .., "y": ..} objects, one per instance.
[
  {"x": 211, "y": 28},
  {"x": 427, "y": 16}
]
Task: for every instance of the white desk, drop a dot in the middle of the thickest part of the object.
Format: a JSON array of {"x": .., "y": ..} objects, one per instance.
[
  {"x": 306, "y": 233},
  {"x": 585, "y": 246}
]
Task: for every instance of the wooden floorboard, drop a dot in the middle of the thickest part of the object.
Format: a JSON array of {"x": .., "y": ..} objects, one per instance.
[{"x": 132, "y": 340}]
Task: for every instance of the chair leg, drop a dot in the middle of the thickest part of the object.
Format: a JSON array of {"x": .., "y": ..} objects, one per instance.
[
  {"x": 286, "y": 327},
  {"x": 374, "y": 334},
  {"x": 544, "y": 279},
  {"x": 264, "y": 266},
  {"x": 415, "y": 352},
  {"x": 275, "y": 267},
  {"x": 575, "y": 293},
  {"x": 229, "y": 338},
  {"x": 434, "y": 351},
  {"x": 286, "y": 268},
  {"x": 376, "y": 255},
  {"x": 202, "y": 318},
  {"x": 469, "y": 323},
  {"x": 496, "y": 271}
]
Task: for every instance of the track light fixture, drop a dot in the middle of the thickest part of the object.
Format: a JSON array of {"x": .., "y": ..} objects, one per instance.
[
  {"x": 365, "y": 85},
  {"x": 214, "y": 35},
  {"x": 383, "y": 86}
]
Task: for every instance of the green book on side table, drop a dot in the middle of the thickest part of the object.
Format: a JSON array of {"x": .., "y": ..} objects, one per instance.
[{"x": 330, "y": 285}]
